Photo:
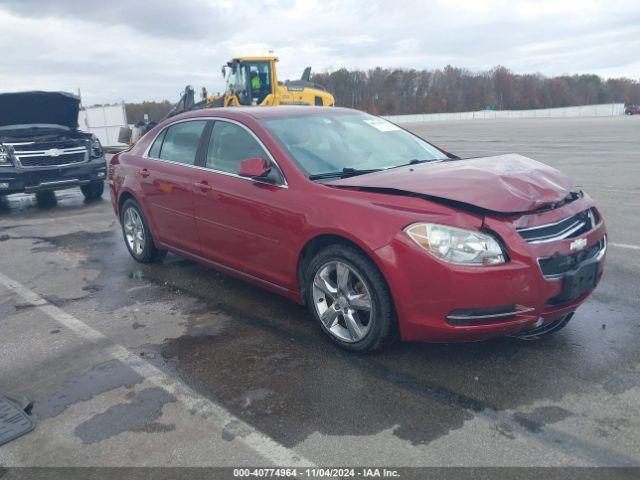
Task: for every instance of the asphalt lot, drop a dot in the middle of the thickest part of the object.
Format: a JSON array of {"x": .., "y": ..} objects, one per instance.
[{"x": 174, "y": 364}]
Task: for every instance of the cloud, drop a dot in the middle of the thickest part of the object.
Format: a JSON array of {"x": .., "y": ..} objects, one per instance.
[
  {"x": 122, "y": 50},
  {"x": 159, "y": 18}
]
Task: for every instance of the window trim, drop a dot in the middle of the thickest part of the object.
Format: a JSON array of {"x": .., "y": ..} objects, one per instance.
[
  {"x": 162, "y": 134},
  {"x": 208, "y": 137}
]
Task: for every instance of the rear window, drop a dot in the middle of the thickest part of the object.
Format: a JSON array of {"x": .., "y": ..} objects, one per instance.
[
  {"x": 154, "y": 151},
  {"x": 180, "y": 143}
]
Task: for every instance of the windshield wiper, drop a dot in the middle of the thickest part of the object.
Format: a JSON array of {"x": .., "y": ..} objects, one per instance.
[
  {"x": 346, "y": 172},
  {"x": 415, "y": 161}
]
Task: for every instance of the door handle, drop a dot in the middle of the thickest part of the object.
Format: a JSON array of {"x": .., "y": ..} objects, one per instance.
[
  {"x": 144, "y": 173},
  {"x": 203, "y": 186}
]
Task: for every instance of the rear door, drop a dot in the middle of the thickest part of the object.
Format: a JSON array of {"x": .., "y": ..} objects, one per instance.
[
  {"x": 244, "y": 224},
  {"x": 167, "y": 179}
]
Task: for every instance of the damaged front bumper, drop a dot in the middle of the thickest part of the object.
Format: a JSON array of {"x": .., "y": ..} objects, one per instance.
[
  {"x": 540, "y": 283},
  {"x": 20, "y": 180}
]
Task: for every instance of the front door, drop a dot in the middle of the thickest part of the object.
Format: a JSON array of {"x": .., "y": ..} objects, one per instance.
[{"x": 242, "y": 223}]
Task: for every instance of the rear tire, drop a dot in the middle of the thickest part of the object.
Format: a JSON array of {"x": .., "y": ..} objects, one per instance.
[
  {"x": 354, "y": 307},
  {"x": 137, "y": 235},
  {"x": 545, "y": 330},
  {"x": 92, "y": 190}
]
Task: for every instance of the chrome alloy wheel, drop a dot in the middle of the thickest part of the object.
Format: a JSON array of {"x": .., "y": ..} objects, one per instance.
[
  {"x": 343, "y": 301},
  {"x": 134, "y": 231}
]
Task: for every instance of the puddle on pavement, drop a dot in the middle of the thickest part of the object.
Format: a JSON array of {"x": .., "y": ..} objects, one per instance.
[
  {"x": 260, "y": 356},
  {"x": 138, "y": 415},
  {"x": 99, "y": 379},
  {"x": 59, "y": 202},
  {"x": 289, "y": 391}
]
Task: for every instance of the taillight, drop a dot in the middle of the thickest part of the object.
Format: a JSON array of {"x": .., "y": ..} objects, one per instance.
[{"x": 115, "y": 160}]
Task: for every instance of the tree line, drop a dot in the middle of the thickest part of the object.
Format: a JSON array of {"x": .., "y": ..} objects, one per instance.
[
  {"x": 387, "y": 91},
  {"x": 155, "y": 110}
]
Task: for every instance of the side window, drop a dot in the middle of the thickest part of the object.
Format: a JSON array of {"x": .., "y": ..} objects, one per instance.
[
  {"x": 181, "y": 142},
  {"x": 154, "y": 151},
  {"x": 229, "y": 145}
]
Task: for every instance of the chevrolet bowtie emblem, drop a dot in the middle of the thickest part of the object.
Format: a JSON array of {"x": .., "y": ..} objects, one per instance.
[
  {"x": 54, "y": 152},
  {"x": 578, "y": 244}
]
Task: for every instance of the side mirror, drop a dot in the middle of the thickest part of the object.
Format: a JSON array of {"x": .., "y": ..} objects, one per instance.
[{"x": 254, "y": 168}]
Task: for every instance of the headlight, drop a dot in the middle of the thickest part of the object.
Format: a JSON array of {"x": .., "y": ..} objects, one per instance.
[
  {"x": 96, "y": 147},
  {"x": 456, "y": 245},
  {"x": 5, "y": 156}
]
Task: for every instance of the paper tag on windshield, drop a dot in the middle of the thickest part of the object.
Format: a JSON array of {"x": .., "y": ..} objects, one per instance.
[{"x": 382, "y": 125}]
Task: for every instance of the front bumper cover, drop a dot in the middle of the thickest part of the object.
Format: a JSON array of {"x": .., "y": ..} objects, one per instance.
[
  {"x": 433, "y": 297},
  {"x": 22, "y": 180}
]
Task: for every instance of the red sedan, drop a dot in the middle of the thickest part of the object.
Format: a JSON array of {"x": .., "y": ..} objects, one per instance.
[{"x": 378, "y": 231}]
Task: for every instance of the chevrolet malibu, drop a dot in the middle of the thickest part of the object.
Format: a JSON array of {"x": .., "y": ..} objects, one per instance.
[{"x": 380, "y": 233}]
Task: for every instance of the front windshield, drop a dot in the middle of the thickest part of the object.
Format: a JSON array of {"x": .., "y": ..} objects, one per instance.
[
  {"x": 237, "y": 79},
  {"x": 327, "y": 143}
]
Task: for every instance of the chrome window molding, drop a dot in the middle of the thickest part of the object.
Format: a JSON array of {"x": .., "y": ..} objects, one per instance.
[{"x": 221, "y": 172}]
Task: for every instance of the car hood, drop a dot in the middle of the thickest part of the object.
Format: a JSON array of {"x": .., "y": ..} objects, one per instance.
[
  {"x": 505, "y": 183},
  {"x": 28, "y": 108}
]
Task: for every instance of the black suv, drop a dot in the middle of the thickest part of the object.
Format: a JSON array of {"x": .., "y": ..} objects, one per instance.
[{"x": 42, "y": 149}]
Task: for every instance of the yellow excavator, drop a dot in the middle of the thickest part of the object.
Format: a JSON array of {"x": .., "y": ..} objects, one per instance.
[{"x": 252, "y": 81}]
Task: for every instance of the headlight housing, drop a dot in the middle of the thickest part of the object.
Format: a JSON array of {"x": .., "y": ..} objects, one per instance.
[
  {"x": 96, "y": 147},
  {"x": 5, "y": 156},
  {"x": 456, "y": 245}
]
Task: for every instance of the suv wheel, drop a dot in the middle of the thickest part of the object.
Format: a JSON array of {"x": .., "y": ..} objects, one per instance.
[
  {"x": 92, "y": 190},
  {"x": 350, "y": 299},
  {"x": 137, "y": 235}
]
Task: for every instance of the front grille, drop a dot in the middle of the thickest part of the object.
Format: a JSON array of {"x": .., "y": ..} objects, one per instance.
[
  {"x": 561, "y": 264},
  {"x": 46, "y": 158},
  {"x": 568, "y": 228}
]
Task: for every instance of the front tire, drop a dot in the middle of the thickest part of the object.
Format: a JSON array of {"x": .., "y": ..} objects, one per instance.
[
  {"x": 350, "y": 299},
  {"x": 137, "y": 235},
  {"x": 92, "y": 190}
]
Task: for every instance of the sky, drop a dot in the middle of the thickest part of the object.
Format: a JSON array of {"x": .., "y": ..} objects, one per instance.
[{"x": 134, "y": 50}]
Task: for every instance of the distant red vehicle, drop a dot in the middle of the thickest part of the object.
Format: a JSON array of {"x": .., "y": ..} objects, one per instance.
[
  {"x": 375, "y": 229},
  {"x": 632, "y": 110}
]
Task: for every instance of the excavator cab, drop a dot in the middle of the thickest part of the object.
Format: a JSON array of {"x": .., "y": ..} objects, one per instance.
[
  {"x": 249, "y": 80},
  {"x": 252, "y": 81}
]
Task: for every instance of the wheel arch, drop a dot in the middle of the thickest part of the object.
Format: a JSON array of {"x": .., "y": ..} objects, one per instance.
[
  {"x": 317, "y": 243},
  {"x": 129, "y": 195},
  {"x": 124, "y": 196}
]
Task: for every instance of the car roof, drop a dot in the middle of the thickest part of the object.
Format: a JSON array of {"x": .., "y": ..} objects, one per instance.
[{"x": 283, "y": 111}]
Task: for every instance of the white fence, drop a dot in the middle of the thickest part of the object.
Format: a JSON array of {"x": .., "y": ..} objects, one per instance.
[
  {"x": 104, "y": 123},
  {"x": 601, "y": 110}
]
